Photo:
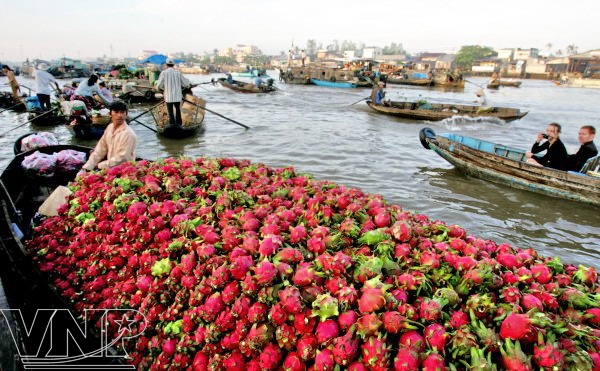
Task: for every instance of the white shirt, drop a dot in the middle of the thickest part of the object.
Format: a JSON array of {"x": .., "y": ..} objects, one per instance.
[
  {"x": 171, "y": 82},
  {"x": 42, "y": 81}
]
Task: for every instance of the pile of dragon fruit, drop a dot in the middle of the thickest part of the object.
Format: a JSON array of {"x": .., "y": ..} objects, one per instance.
[{"x": 239, "y": 266}]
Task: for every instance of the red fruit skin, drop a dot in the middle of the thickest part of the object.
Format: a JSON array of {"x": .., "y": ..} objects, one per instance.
[
  {"x": 434, "y": 362},
  {"x": 407, "y": 359},
  {"x": 436, "y": 337},
  {"x": 347, "y": 319},
  {"x": 458, "y": 319},
  {"x": 293, "y": 362},
  {"x": 413, "y": 339},
  {"x": 515, "y": 326},
  {"x": 327, "y": 331},
  {"x": 371, "y": 300}
]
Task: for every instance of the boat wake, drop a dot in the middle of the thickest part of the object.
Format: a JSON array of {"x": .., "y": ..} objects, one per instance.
[{"x": 470, "y": 123}]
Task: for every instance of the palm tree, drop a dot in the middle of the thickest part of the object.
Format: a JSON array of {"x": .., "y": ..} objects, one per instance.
[
  {"x": 572, "y": 49},
  {"x": 559, "y": 52},
  {"x": 549, "y": 46}
]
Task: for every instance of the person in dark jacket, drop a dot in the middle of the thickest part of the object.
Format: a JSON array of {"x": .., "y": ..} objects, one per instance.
[
  {"x": 556, "y": 153},
  {"x": 587, "y": 150}
]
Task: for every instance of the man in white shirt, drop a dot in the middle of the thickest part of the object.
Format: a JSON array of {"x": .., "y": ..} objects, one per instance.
[
  {"x": 42, "y": 85},
  {"x": 117, "y": 144},
  {"x": 171, "y": 81}
]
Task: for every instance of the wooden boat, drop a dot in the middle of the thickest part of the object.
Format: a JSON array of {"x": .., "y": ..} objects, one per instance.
[
  {"x": 410, "y": 81},
  {"x": 449, "y": 80},
  {"x": 7, "y": 103},
  {"x": 24, "y": 287},
  {"x": 246, "y": 87},
  {"x": 515, "y": 84},
  {"x": 493, "y": 85},
  {"x": 422, "y": 110},
  {"x": 42, "y": 118},
  {"x": 192, "y": 115},
  {"x": 506, "y": 165},
  {"x": 333, "y": 84}
]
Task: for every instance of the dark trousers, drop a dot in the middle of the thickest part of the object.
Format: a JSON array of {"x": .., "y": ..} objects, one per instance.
[
  {"x": 174, "y": 117},
  {"x": 44, "y": 101}
]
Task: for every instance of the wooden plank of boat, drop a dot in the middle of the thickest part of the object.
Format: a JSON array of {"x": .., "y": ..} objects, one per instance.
[
  {"x": 192, "y": 116},
  {"x": 41, "y": 118},
  {"x": 441, "y": 111},
  {"x": 245, "y": 87},
  {"x": 494, "y": 85},
  {"x": 333, "y": 84},
  {"x": 409, "y": 81},
  {"x": 24, "y": 286},
  {"x": 515, "y": 84},
  {"x": 505, "y": 165}
]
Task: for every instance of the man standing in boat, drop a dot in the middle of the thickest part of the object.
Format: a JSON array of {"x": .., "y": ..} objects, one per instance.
[
  {"x": 42, "y": 85},
  {"x": 587, "y": 150},
  {"x": 117, "y": 144},
  {"x": 172, "y": 82}
]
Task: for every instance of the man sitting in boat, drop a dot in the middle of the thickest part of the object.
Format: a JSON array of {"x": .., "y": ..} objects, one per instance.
[
  {"x": 587, "y": 150},
  {"x": 229, "y": 78},
  {"x": 378, "y": 95},
  {"x": 556, "y": 153},
  {"x": 258, "y": 81},
  {"x": 118, "y": 143},
  {"x": 483, "y": 103}
]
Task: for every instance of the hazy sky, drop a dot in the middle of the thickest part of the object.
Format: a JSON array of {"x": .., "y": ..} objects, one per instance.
[{"x": 49, "y": 29}]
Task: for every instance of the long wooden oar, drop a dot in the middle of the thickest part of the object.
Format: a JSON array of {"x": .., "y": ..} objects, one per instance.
[
  {"x": 479, "y": 86},
  {"x": 142, "y": 114},
  {"x": 144, "y": 125},
  {"x": 218, "y": 114},
  {"x": 11, "y": 107},
  {"x": 360, "y": 101},
  {"x": 28, "y": 121}
]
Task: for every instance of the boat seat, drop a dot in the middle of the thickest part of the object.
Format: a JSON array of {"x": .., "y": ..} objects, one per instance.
[{"x": 592, "y": 164}]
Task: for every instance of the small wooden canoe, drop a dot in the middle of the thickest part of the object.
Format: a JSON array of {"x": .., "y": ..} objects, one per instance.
[
  {"x": 514, "y": 84},
  {"x": 7, "y": 103},
  {"x": 333, "y": 84},
  {"x": 246, "y": 87},
  {"x": 192, "y": 116},
  {"x": 439, "y": 111},
  {"x": 495, "y": 85},
  {"x": 508, "y": 166}
]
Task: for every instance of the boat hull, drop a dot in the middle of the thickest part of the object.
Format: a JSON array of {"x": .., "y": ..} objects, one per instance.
[
  {"x": 23, "y": 286},
  {"x": 334, "y": 84},
  {"x": 244, "y": 87},
  {"x": 192, "y": 115},
  {"x": 439, "y": 112},
  {"x": 415, "y": 82},
  {"x": 505, "y": 165}
]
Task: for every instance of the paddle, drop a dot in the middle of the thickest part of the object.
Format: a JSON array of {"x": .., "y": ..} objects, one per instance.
[
  {"x": 144, "y": 125},
  {"x": 11, "y": 107},
  {"x": 28, "y": 121},
  {"x": 360, "y": 101},
  {"x": 142, "y": 114},
  {"x": 479, "y": 86},
  {"x": 218, "y": 114}
]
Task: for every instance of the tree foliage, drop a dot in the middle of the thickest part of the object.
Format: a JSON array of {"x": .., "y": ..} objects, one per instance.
[
  {"x": 393, "y": 49},
  {"x": 467, "y": 54}
]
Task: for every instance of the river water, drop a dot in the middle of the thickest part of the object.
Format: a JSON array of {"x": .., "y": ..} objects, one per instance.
[{"x": 318, "y": 131}]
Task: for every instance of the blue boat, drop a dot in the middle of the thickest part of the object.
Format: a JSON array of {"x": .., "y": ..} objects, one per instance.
[
  {"x": 502, "y": 164},
  {"x": 333, "y": 84}
]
